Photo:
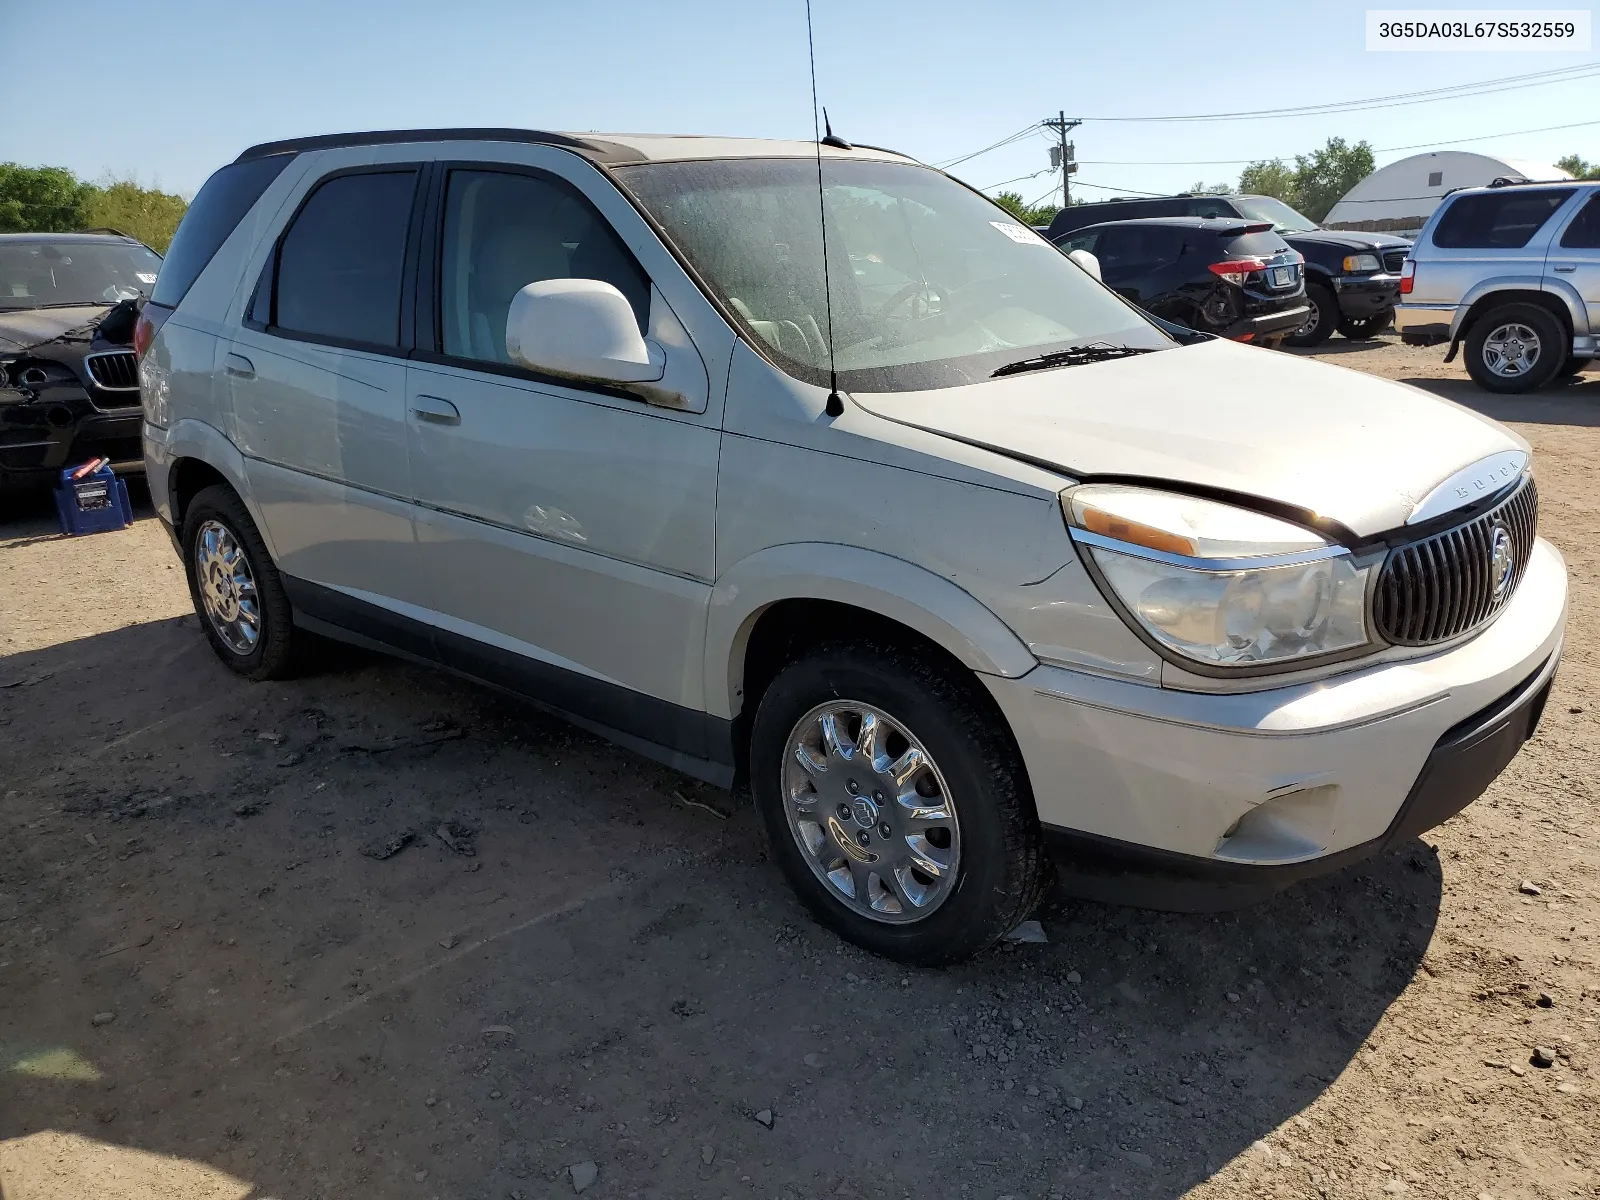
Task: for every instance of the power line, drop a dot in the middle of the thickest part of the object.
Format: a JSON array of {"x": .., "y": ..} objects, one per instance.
[
  {"x": 1019, "y": 179},
  {"x": 1428, "y": 95},
  {"x": 1005, "y": 141},
  {"x": 1238, "y": 162}
]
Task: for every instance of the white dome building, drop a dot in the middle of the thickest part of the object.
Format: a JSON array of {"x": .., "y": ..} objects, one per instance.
[{"x": 1398, "y": 198}]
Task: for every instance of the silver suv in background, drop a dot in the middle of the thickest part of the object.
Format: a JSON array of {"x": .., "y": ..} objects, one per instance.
[
  {"x": 954, "y": 555},
  {"x": 1514, "y": 272}
]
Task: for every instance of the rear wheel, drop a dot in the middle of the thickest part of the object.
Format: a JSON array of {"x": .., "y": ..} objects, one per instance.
[
  {"x": 1360, "y": 328},
  {"x": 1320, "y": 321},
  {"x": 237, "y": 591},
  {"x": 1515, "y": 348},
  {"x": 895, "y": 802}
]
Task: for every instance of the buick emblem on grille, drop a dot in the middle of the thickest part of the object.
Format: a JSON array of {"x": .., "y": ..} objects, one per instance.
[{"x": 1502, "y": 560}]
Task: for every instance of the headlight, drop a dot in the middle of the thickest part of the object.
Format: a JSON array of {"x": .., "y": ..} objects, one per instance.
[
  {"x": 1361, "y": 262},
  {"x": 1217, "y": 585}
]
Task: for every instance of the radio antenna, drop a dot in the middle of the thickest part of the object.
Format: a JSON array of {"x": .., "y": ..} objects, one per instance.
[{"x": 835, "y": 404}]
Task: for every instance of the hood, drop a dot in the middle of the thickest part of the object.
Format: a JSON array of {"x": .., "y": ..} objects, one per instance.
[
  {"x": 21, "y": 328},
  {"x": 1348, "y": 239},
  {"x": 1359, "y": 450}
]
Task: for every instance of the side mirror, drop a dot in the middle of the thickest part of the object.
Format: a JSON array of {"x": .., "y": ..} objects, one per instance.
[
  {"x": 580, "y": 329},
  {"x": 1087, "y": 261}
]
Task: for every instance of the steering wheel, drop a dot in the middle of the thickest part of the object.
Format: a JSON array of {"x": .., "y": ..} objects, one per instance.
[{"x": 908, "y": 296}]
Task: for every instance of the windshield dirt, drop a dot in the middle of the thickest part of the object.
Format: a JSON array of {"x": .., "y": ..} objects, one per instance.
[
  {"x": 932, "y": 286},
  {"x": 36, "y": 274}
]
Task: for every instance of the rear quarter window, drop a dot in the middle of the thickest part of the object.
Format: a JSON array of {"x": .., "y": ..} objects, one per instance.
[
  {"x": 215, "y": 212},
  {"x": 1496, "y": 220}
]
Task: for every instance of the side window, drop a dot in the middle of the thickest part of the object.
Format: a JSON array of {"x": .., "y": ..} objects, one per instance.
[
  {"x": 1081, "y": 241},
  {"x": 1209, "y": 206},
  {"x": 1584, "y": 231},
  {"x": 504, "y": 231},
  {"x": 1142, "y": 247},
  {"x": 341, "y": 264},
  {"x": 1501, "y": 220}
]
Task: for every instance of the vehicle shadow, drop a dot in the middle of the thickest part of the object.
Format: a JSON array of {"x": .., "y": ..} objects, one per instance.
[
  {"x": 238, "y": 935},
  {"x": 1571, "y": 401}
]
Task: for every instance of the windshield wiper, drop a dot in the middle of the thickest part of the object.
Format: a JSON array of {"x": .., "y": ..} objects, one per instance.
[{"x": 1072, "y": 357}]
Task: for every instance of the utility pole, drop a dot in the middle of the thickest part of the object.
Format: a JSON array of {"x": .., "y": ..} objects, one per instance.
[{"x": 1063, "y": 155}]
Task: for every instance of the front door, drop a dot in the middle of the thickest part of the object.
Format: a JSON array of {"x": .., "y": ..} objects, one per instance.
[
  {"x": 1574, "y": 259},
  {"x": 566, "y": 531}
]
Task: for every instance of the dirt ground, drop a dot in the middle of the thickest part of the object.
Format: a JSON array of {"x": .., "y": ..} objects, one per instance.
[{"x": 573, "y": 962}]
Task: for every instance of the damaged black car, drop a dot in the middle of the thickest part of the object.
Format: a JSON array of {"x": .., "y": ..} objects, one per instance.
[{"x": 69, "y": 380}]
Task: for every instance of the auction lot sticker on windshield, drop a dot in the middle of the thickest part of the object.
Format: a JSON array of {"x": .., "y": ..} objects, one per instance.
[
  {"x": 1510, "y": 29},
  {"x": 1019, "y": 233}
]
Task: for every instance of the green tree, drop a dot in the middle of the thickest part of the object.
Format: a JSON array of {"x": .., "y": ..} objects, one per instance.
[
  {"x": 148, "y": 214},
  {"x": 1322, "y": 177},
  {"x": 1316, "y": 182},
  {"x": 42, "y": 199},
  {"x": 1040, "y": 214},
  {"x": 1579, "y": 168},
  {"x": 1201, "y": 188},
  {"x": 1268, "y": 178}
]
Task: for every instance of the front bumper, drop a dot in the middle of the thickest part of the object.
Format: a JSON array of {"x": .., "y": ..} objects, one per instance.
[
  {"x": 1188, "y": 800},
  {"x": 62, "y": 427},
  {"x": 1362, "y": 296},
  {"x": 1282, "y": 321}
]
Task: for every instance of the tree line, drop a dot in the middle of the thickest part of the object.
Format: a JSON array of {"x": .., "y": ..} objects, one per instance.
[
  {"x": 54, "y": 200},
  {"x": 1312, "y": 184}
]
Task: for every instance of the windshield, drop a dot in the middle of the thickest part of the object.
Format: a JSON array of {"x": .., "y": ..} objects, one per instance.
[
  {"x": 932, "y": 285},
  {"x": 1264, "y": 208},
  {"x": 37, "y": 273}
]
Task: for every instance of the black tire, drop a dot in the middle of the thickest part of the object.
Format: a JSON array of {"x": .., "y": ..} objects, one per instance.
[
  {"x": 1574, "y": 365},
  {"x": 1001, "y": 873},
  {"x": 1541, "y": 368},
  {"x": 274, "y": 652},
  {"x": 1323, "y": 318},
  {"x": 1359, "y": 329}
]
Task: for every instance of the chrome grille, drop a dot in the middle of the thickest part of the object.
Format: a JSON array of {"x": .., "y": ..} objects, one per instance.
[
  {"x": 1393, "y": 260},
  {"x": 114, "y": 370},
  {"x": 1443, "y": 586}
]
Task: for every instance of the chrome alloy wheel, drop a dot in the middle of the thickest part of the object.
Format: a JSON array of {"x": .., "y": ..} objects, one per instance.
[
  {"x": 227, "y": 587},
  {"x": 1511, "y": 350},
  {"x": 870, "y": 812}
]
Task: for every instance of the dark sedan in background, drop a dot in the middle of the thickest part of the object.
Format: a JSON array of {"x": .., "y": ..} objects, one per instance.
[
  {"x": 1233, "y": 278},
  {"x": 69, "y": 382},
  {"x": 1352, "y": 277}
]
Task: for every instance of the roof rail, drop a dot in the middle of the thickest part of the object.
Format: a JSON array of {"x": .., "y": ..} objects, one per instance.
[
  {"x": 108, "y": 229},
  {"x": 595, "y": 148}
]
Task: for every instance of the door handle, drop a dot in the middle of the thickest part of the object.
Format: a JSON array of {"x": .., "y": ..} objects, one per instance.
[
  {"x": 239, "y": 366},
  {"x": 1569, "y": 267},
  {"x": 435, "y": 411}
]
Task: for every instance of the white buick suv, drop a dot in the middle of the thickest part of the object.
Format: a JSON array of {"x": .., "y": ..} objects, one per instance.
[{"x": 808, "y": 467}]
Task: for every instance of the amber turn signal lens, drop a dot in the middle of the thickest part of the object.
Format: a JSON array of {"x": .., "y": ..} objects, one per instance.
[{"x": 1123, "y": 530}]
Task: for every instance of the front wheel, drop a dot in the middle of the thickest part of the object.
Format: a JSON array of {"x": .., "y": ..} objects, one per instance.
[
  {"x": 1515, "y": 348},
  {"x": 895, "y": 802},
  {"x": 1359, "y": 329},
  {"x": 237, "y": 592},
  {"x": 1320, "y": 321}
]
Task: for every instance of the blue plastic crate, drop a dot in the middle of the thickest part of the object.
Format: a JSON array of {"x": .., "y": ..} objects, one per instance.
[{"x": 94, "y": 503}]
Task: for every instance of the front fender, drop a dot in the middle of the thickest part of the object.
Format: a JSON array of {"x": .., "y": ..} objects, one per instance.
[{"x": 880, "y": 583}]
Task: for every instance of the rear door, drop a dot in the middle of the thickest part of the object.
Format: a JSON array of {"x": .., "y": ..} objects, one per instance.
[
  {"x": 318, "y": 374},
  {"x": 1574, "y": 258},
  {"x": 1500, "y": 236},
  {"x": 566, "y": 529}
]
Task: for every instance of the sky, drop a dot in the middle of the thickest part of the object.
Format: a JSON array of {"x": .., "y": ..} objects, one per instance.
[{"x": 171, "y": 89}]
